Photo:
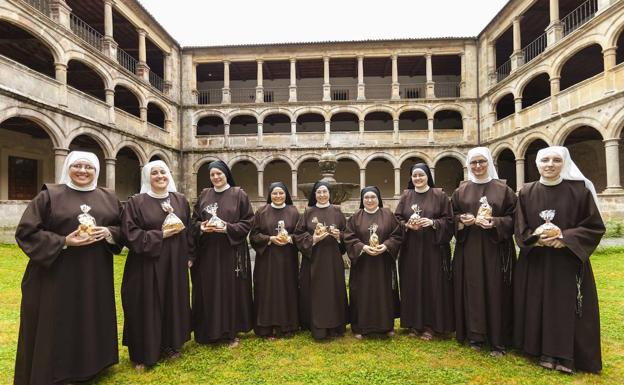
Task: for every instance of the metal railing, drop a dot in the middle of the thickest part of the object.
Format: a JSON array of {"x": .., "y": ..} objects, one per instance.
[
  {"x": 275, "y": 94},
  {"x": 126, "y": 61},
  {"x": 413, "y": 91},
  {"x": 503, "y": 71},
  {"x": 211, "y": 96},
  {"x": 85, "y": 31},
  {"x": 156, "y": 81},
  {"x": 243, "y": 95},
  {"x": 310, "y": 93},
  {"x": 343, "y": 93},
  {"x": 534, "y": 48},
  {"x": 446, "y": 89},
  {"x": 42, "y": 5},
  {"x": 581, "y": 15}
]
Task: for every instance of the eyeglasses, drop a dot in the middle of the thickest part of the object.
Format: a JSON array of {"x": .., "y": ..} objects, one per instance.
[
  {"x": 86, "y": 167},
  {"x": 480, "y": 162},
  {"x": 370, "y": 198}
]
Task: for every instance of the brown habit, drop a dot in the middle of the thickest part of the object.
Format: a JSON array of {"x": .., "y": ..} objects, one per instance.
[
  {"x": 482, "y": 263},
  {"x": 547, "y": 318},
  {"x": 373, "y": 291},
  {"x": 68, "y": 324},
  {"x": 323, "y": 294},
  {"x": 424, "y": 263},
  {"x": 275, "y": 272},
  {"x": 155, "y": 287},
  {"x": 221, "y": 274}
]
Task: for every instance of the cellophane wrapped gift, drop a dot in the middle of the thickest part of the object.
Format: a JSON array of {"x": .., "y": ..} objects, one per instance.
[
  {"x": 87, "y": 222},
  {"x": 548, "y": 228},
  {"x": 373, "y": 239},
  {"x": 214, "y": 220},
  {"x": 320, "y": 227},
  {"x": 282, "y": 233},
  {"x": 171, "y": 220},
  {"x": 485, "y": 210},
  {"x": 416, "y": 216}
]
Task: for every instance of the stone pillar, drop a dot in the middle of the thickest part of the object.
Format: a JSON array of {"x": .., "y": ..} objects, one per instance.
[
  {"x": 110, "y": 172},
  {"x": 518, "y": 109},
  {"x": 519, "y": 173},
  {"x": 61, "y": 76},
  {"x": 361, "y": 124},
  {"x": 609, "y": 58},
  {"x": 142, "y": 68},
  {"x": 259, "y": 134},
  {"x": 362, "y": 178},
  {"x": 292, "y": 88},
  {"x": 604, "y": 4},
  {"x": 109, "y": 46},
  {"x": 226, "y": 93},
  {"x": 327, "y": 132},
  {"x": 430, "y": 138},
  {"x": 395, "y": 131},
  {"x": 293, "y": 133},
  {"x": 554, "y": 31},
  {"x": 260, "y": 184},
  {"x": 396, "y": 86},
  {"x": 110, "y": 100},
  {"x": 167, "y": 83},
  {"x": 326, "y": 84},
  {"x": 59, "y": 159},
  {"x": 612, "y": 155},
  {"x": 491, "y": 62},
  {"x": 462, "y": 82},
  {"x": 226, "y": 135},
  {"x": 517, "y": 57},
  {"x": 430, "y": 84},
  {"x": 59, "y": 12},
  {"x": 554, "y": 91},
  {"x": 143, "y": 113},
  {"x": 194, "y": 92},
  {"x": 361, "y": 87},
  {"x": 294, "y": 190},
  {"x": 432, "y": 169},
  {"x": 397, "y": 182},
  {"x": 259, "y": 86}
]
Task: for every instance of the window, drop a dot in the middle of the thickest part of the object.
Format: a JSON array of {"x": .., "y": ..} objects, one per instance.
[{"x": 22, "y": 178}]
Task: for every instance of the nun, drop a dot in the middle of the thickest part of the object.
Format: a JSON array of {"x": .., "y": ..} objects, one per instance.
[
  {"x": 556, "y": 316},
  {"x": 68, "y": 324},
  {"x": 155, "y": 287},
  {"x": 323, "y": 295},
  {"x": 426, "y": 217},
  {"x": 483, "y": 207},
  {"x": 373, "y": 238},
  {"x": 221, "y": 274},
  {"x": 277, "y": 265}
]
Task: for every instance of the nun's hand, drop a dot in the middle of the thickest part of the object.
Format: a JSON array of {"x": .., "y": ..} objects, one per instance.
[
  {"x": 551, "y": 241},
  {"x": 467, "y": 219},
  {"x": 424, "y": 222},
  {"x": 371, "y": 250},
  {"x": 335, "y": 233},
  {"x": 171, "y": 232},
  {"x": 484, "y": 223},
  {"x": 75, "y": 240},
  {"x": 317, "y": 238},
  {"x": 412, "y": 225},
  {"x": 277, "y": 240},
  {"x": 100, "y": 233}
]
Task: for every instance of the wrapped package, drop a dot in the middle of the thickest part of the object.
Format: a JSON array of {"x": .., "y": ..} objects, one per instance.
[
  {"x": 548, "y": 228},
  {"x": 86, "y": 222},
  {"x": 373, "y": 239},
  {"x": 485, "y": 210},
  {"x": 282, "y": 233},
  {"x": 416, "y": 216},
  {"x": 171, "y": 220},
  {"x": 320, "y": 227},
  {"x": 214, "y": 220}
]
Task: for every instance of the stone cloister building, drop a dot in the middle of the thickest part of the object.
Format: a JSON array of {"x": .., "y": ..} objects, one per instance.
[{"x": 104, "y": 76}]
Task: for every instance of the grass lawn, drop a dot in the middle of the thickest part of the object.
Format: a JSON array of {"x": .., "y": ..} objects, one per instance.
[{"x": 300, "y": 360}]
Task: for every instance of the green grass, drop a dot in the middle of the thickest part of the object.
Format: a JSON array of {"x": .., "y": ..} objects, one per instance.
[{"x": 300, "y": 360}]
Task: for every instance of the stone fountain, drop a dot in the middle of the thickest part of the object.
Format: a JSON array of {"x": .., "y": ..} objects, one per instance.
[{"x": 340, "y": 191}]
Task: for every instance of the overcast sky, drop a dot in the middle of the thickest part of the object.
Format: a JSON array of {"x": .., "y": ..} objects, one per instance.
[{"x": 224, "y": 22}]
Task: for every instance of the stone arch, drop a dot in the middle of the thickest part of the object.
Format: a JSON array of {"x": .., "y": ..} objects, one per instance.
[
  {"x": 494, "y": 99},
  {"x": 197, "y": 116},
  {"x": 500, "y": 147},
  {"x": 162, "y": 155},
  {"x": 129, "y": 161},
  {"x": 407, "y": 108},
  {"x": 134, "y": 146},
  {"x": 612, "y": 34},
  {"x": 311, "y": 110},
  {"x": 350, "y": 156},
  {"x": 20, "y": 20},
  {"x": 202, "y": 161},
  {"x": 581, "y": 44},
  {"x": 275, "y": 111},
  {"x": 275, "y": 157},
  {"x": 377, "y": 155},
  {"x": 415, "y": 154},
  {"x": 348, "y": 109},
  {"x": 380, "y": 108},
  {"x": 522, "y": 83},
  {"x": 97, "y": 135},
  {"x": 449, "y": 107},
  {"x": 91, "y": 62},
  {"x": 380, "y": 172},
  {"x": 157, "y": 102},
  {"x": 505, "y": 163},
  {"x": 442, "y": 117},
  {"x": 572, "y": 124},
  {"x": 586, "y": 147},
  {"x": 449, "y": 171},
  {"x": 616, "y": 125},
  {"x": 505, "y": 106},
  {"x": 450, "y": 154},
  {"x": 524, "y": 144},
  {"x": 228, "y": 118},
  {"x": 304, "y": 157},
  {"x": 45, "y": 122},
  {"x": 140, "y": 95},
  {"x": 244, "y": 158}
]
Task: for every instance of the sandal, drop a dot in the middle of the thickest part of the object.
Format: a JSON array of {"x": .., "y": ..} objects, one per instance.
[
  {"x": 234, "y": 343},
  {"x": 547, "y": 362},
  {"x": 475, "y": 345},
  {"x": 426, "y": 336},
  {"x": 358, "y": 336},
  {"x": 563, "y": 369}
]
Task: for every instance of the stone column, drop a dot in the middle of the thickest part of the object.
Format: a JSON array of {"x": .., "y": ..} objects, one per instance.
[
  {"x": 519, "y": 173},
  {"x": 61, "y": 76},
  {"x": 194, "y": 92},
  {"x": 226, "y": 92},
  {"x": 396, "y": 86},
  {"x": 517, "y": 110},
  {"x": 612, "y": 154},
  {"x": 462, "y": 82},
  {"x": 226, "y": 135},
  {"x": 142, "y": 68},
  {"x": 432, "y": 169},
  {"x": 143, "y": 113},
  {"x": 430, "y": 82},
  {"x": 292, "y": 88},
  {"x": 259, "y": 134},
  {"x": 259, "y": 86},
  {"x": 59, "y": 159},
  {"x": 609, "y": 58},
  {"x": 326, "y": 84},
  {"x": 110, "y": 172},
  {"x": 604, "y": 4},
  {"x": 395, "y": 131},
  {"x": 430, "y": 138},
  {"x": 554, "y": 31},
  {"x": 361, "y": 87},
  {"x": 362, "y": 178},
  {"x": 517, "y": 57},
  {"x": 361, "y": 124},
  {"x": 293, "y": 133},
  {"x": 260, "y": 183},
  {"x": 110, "y": 100},
  {"x": 167, "y": 83},
  {"x": 59, "y": 12},
  {"x": 554, "y": 91},
  {"x": 294, "y": 190},
  {"x": 397, "y": 182},
  {"x": 491, "y": 62},
  {"x": 109, "y": 46},
  {"x": 327, "y": 132}
]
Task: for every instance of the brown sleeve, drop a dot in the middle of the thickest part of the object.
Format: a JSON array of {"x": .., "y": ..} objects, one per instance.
[
  {"x": 504, "y": 223},
  {"x": 444, "y": 222},
  {"x": 393, "y": 243},
  {"x": 353, "y": 244},
  {"x": 583, "y": 239},
  {"x": 259, "y": 241},
  {"x": 460, "y": 235},
  {"x": 237, "y": 232},
  {"x": 147, "y": 243},
  {"x": 303, "y": 239}
]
